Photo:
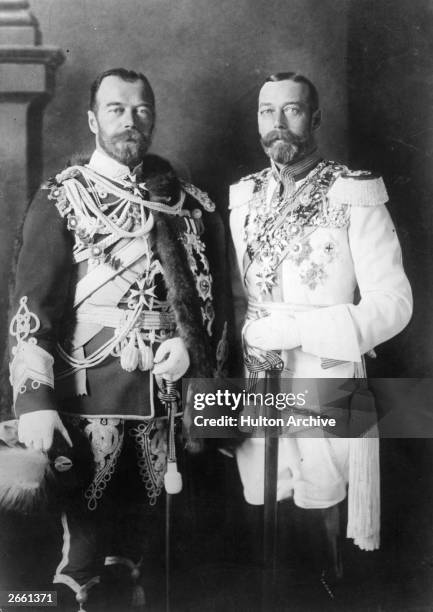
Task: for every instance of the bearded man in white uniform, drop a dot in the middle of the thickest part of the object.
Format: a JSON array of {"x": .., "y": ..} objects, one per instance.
[{"x": 310, "y": 235}]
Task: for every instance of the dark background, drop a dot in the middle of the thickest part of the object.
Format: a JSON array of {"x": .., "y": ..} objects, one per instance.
[
  {"x": 372, "y": 61},
  {"x": 205, "y": 61},
  {"x": 390, "y": 97}
]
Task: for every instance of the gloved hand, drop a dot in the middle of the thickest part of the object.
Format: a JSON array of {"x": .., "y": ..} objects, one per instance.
[
  {"x": 274, "y": 332},
  {"x": 36, "y": 429},
  {"x": 171, "y": 359}
]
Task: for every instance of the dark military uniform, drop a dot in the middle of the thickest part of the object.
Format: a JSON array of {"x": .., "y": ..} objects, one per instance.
[{"x": 112, "y": 264}]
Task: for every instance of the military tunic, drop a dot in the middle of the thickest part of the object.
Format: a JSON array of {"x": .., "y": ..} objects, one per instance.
[
  {"x": 306, "y": 253},
  {"x": 80, "y": 287},
  {"x": 102, "y": 277}
]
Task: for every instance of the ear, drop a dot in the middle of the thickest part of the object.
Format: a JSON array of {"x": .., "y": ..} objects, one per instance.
[
  {"x": 316, "y": 119},
  {"x": 93, "y": 124}
]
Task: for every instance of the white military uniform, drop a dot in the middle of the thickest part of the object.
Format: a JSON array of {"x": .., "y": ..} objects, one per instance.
[{"x": 329, "y": 235}]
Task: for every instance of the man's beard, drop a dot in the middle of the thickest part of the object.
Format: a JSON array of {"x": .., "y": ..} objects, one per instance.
[
  {"x": 285, "y": 147},
  {"x": 128, "y": 148}
]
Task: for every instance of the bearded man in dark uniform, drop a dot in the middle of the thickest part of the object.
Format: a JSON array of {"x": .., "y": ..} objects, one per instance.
[{"x": 113, "y": 304}]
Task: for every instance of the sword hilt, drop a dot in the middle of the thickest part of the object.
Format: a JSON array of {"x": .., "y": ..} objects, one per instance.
[{"x": 172, "y": 477}]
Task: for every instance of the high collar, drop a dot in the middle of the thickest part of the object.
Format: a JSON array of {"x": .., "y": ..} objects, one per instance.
[
  {"x": 299, "y": 169},
  {"x": 103, "y": 164}
]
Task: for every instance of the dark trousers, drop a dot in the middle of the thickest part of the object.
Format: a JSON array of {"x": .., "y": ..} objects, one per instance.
[{"x": 116, "y": 517}]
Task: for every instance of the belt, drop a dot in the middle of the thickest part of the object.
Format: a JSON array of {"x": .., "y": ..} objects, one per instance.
[
  {"x": 257, "y": 309},
  {"x": 118, "y": 317}
]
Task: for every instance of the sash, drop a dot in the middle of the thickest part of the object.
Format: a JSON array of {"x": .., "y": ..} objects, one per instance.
[
  {"x": 273, "y": 232},
  {"x": 130, "y": 254}
]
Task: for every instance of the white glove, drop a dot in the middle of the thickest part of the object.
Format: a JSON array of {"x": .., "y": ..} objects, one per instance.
[
  {"x": 171, "y": 359},
  {"x": 36, "y": 429},
  {"x": 273, "y": 332}
]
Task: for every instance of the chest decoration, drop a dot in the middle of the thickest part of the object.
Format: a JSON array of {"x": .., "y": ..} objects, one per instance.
[
  {"x": 100, "y": 212},
  {"x": 199, "y": 265},
  {"x": 280, "y": 229},
  {"x": 111, "y": 222}
]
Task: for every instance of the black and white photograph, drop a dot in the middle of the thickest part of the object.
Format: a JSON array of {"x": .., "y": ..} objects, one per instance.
[{"x": 216, "y": 255}]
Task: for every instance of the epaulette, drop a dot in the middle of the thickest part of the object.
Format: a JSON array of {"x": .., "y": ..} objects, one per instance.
[
  {"x": 256, "y": 176},
  {"x": 66, "y": 174},
  {"x": 57, "y": 180},
  {"x": 360, "y": 175},
  {"x": 199, "y": 195},
  {"x": 358, "y": 188}
]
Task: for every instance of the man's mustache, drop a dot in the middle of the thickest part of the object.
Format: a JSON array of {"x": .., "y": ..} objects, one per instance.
[
  {"x": 284, "y": 135},
  {"x": 130, "y": 135}
]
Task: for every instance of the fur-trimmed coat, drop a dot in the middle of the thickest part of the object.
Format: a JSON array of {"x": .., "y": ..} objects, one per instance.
[{"x": 185, "y": 245}]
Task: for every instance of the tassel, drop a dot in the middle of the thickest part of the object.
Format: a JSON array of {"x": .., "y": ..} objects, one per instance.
[
  {"x": 145, "y": 355},
  {"x": 172, "y": 479},
  {"x": 138, "y": 597},
  {"x": 363, "y": 523},
  {"x": 22, "y": 475},
  {"x": 129, "y": 355}
]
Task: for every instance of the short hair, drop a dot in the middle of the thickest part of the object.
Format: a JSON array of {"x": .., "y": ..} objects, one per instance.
[
  {"x": 130, "y": 76},
  {"x": 297, "y": 78}
]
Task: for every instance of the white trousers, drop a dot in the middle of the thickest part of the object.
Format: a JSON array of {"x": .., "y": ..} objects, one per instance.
[{"x": 312, "y": 469}]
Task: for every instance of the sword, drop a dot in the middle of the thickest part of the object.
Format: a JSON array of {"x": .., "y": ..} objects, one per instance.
[
  {"x": 172, "y": 477},
  {"x": 270, "y": 362},
  {"x": 270, "y": 517}
]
